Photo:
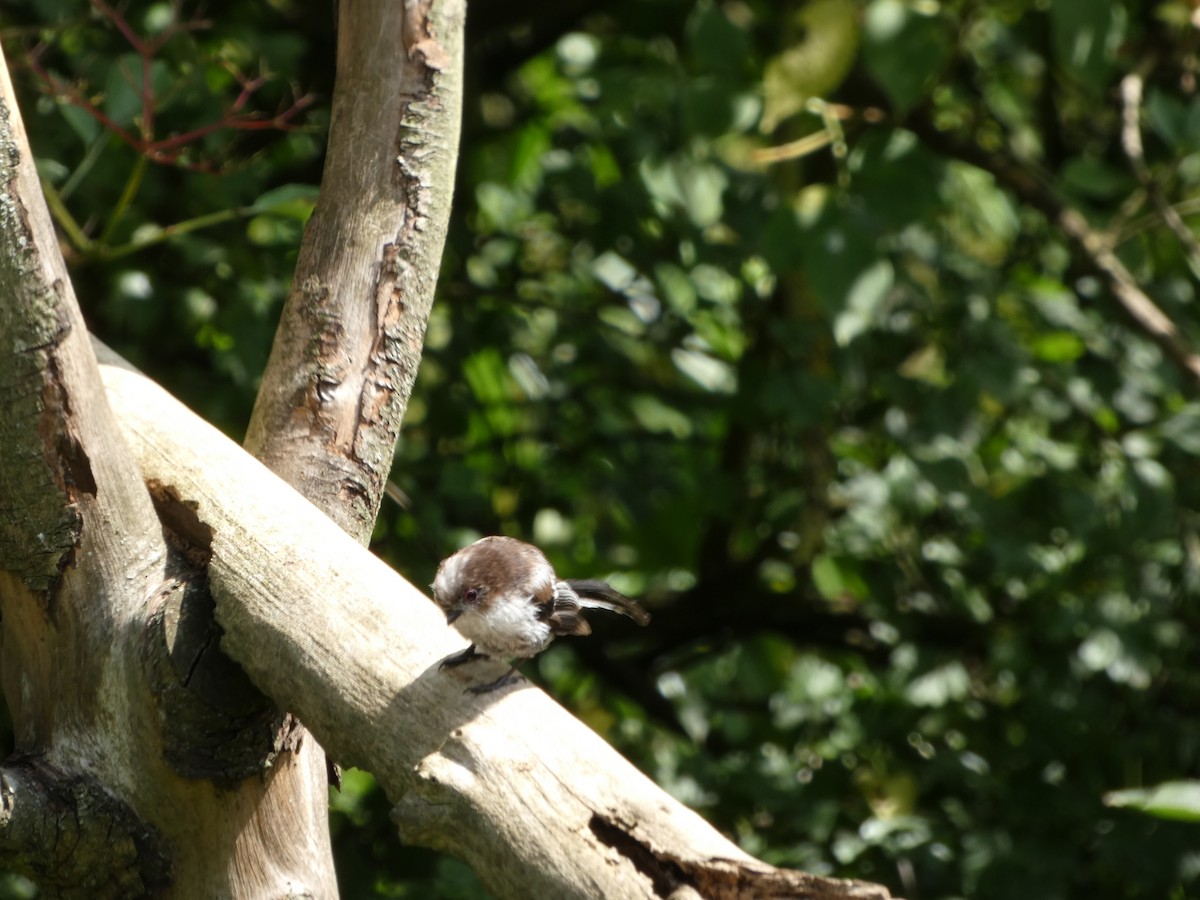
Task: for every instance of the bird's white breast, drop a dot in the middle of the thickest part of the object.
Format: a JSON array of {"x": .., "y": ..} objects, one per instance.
[{"x": 507, "y": 627}]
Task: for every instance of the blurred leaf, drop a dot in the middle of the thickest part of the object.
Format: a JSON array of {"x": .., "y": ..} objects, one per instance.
[
  {"x": 939, "y": 686},
  {"x": 863, "y": 302},
  {"x": 613, "y": 271},
  {"x": 1178, "y": 800},
  {"x": 905, "y": 49},
  {"x": 295, "y": 201},
  {"x": 711, "y": 374},
  {"x": 836, "y": 580},
  {"x": 487, "y": 375},
  {"x": 80, "y": 121},
  {"x": 676, "y": 287},
  {"x": 124, "y": 89},
  {"x": 815, "y": 65},
  {"x": 1183, "y": 429},
  {"x": 1095, "y": 178},
  {"x": 265, "y": 231},
  {"x": 1087, "y": 37},
  {"x": 716, "y": 42},
  {"x": 526, "y": 168},
  {"x": 1059, "y": 346},
  {"x": 713, "y": 107},
  {"x": 656, "y": 416},
  {"x": 701, "y": 187},
  {"x": 696, "y": 188}
]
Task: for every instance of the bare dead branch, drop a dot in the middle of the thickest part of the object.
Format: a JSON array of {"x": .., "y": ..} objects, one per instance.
[{"x": 532, "y": 799}]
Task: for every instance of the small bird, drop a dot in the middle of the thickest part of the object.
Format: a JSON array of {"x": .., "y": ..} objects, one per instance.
[{"x": 503, "y": 596}]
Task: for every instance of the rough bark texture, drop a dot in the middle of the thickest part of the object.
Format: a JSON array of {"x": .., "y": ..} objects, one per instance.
[
  {"x": 75, "y": 839},
  {"x": 510, "y": 782},
  {"x": 101, "y": 645},
  {"x": 345, "y": 357},
  {"x": 346, "y": 353}
]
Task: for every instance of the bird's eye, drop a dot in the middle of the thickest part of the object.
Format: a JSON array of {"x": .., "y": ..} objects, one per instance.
[{"x": 470, "y": 595}]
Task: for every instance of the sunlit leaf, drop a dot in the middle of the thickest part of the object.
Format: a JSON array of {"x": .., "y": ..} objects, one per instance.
[
  {"x": 813, "y": 66},
  {"x": 940, "y": 686},
  {"x": 864, "y": 302},
  {"x": 1178, "y": 800}
]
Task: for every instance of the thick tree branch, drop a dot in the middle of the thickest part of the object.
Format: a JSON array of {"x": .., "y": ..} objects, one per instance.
[
  {"x": 74, "y": 509},
  {"x": 346, "y": 353},
  {"x": 532, "y": 799},
  {"x": 345, "y": 357}
]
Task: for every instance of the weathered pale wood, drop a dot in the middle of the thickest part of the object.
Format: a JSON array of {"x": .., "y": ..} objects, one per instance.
[
  {"x": 345, "y": 355},
  {"x": 84, "y": 571},
  {"x": 510, "y": 782}
]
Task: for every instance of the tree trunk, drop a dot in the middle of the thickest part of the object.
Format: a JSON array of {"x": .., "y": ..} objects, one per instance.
[
  {"x": 385, "y": 186},
  {"x": 133, "y": 739}
]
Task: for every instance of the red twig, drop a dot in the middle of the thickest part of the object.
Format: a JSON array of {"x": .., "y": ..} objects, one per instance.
[
  {"x": 168, "y": 150},
  {"x": 75, "y": 96},
  {"x": 244, "y": 122},
  {"x": 122, "y": 25}
]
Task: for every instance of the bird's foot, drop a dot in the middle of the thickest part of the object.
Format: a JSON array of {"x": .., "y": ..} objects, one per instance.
[{"x": 459, "y": 659}]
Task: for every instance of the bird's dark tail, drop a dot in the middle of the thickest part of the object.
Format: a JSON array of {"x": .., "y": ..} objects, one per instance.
[{"x": 595, "y": 594}]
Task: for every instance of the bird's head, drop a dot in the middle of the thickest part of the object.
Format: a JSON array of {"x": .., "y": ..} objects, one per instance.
[{"x": 490, "y": 571}]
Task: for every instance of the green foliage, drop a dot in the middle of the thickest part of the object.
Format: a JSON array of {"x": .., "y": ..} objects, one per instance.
[{"x": 745, "y": 309}]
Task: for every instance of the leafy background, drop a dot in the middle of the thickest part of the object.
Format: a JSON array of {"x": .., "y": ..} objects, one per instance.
[{"x": 764, "y": 312}]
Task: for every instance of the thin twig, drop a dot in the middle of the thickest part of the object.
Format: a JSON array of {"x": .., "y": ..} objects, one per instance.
[
  {"x": 1131, "y": 141},
  {"x": 171, "y": 231},
  {"x": 792, "y": 149},
  {"x": 168, "y": 150},
  {"x": 1144, "y": 311},
  {"x": 1095, "y": 247},
  {"x": 1186, "y": 207},
  {"x": 132, "y": 183},
  {"x": 62, "y": 216},
  {"x": 831, "y": 114}
]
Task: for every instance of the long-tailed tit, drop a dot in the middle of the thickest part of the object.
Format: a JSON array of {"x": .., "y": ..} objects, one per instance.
[{"x": 503, "y": 596}]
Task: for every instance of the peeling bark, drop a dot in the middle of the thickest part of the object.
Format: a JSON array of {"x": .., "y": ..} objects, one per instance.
[
  {"x": 717, "y": 878},
  {"x": 345, "y": 356}
]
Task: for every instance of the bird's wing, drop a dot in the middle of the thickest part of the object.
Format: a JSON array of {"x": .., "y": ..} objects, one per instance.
[
  {"x": 595, "y": 594},
  {"x": 563, "y": 612}
]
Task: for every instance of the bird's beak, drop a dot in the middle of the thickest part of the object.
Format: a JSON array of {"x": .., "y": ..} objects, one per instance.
[{"x": 452, "y": 614}]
